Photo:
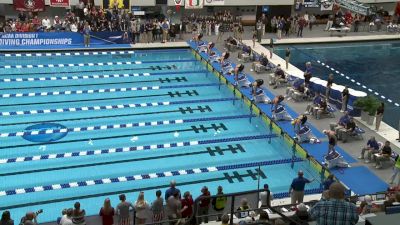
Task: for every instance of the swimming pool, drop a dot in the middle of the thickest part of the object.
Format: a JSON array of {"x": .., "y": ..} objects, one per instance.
[
  {"x": 371, "y": 67},
  {"x": 83, "y": 126}
]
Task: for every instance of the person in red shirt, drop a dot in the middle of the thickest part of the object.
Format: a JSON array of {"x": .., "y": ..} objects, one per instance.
[
  {"x": 302, "y": 23},
  {"x": 188, "y": 202},
  {"x": 204, "y": 205},
  {"x": 107, "y": 213}
]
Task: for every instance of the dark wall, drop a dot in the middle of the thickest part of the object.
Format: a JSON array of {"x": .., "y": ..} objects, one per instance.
[{"x": 276, "y": 10}]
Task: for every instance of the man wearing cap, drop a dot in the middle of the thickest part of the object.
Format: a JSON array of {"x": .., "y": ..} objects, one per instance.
[{"x": 296, "y": 189}]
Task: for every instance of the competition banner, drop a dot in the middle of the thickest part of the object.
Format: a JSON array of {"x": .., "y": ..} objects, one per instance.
[
  {"x": 120, "y": 4},
  {"x": 59, "y": 3},
  {"x": 214, "y": 2},
  {"x": 29, "y": 5},
  {"x": 58, "y": 38},
  {"x": 193, "y": 4}
]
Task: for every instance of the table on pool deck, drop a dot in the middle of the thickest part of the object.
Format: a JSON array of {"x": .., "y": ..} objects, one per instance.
[{"x": 341, "y": 31}]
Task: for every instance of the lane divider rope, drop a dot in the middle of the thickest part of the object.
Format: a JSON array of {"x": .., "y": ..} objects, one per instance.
[
  {"x": 92, "y": 64},
  {"x": 119, "y": 126},
  {"x": 94, "y": 76},
  {"x": 122, "y": 179},
  {"x": 103, "y": 90},
  {"x": 110, "y": 107},
  {"x": 134, "y": 148}
]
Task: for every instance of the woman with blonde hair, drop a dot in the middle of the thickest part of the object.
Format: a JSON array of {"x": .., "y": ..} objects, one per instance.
[
  {"x": 141, "y": 208},
  {"x": 107, "y": 213}
]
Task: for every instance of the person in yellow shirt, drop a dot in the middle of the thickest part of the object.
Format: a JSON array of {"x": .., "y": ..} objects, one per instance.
[{"x": 396, "y": 171}]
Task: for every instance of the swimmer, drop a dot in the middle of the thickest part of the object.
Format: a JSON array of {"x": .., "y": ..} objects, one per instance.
[
  {"x": 299, "y": 122},
  {"x": 197, "y": 38},
  {"x": 276, "y": 101},
  {"x": 238, "y": 69},
  {"x": 255, "y": 85}
]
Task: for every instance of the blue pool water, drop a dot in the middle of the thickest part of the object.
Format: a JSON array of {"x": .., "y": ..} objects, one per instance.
[
  {"x": 126, "y": 122},
  {"x": 373, "y": 64}
]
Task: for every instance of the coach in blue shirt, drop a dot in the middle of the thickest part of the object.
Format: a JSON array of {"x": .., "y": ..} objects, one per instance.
[{"x": 296, "y": 190}]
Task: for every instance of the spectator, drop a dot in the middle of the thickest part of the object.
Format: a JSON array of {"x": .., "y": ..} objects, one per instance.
[
  {"x": 29, "y": 219},
  {"x": 78, "y": 214},
  {"x": 141, "y": 207},
  {"x": 296, "y": 189},
  {"x": 225, "y": 219},
  {"x": 335, "y": 211},
  {"x": 263, "y": 218},
  {"x": 172, "y": 190},
  {"x": 313, "y": 20},
  {"x": 259, "y": 31},
  {"x": 301, "y": 24},
  {"x": 301, "y": 215},
  {"x": 67, "y": 218},
  {"x": 6, "y": 218},
  {"x": 174, "y": 209},
  {"x": 123, "y": 210},
  {"x": 371, "y": 148},
  {"x": 327, "y": 183},
  {"x": 243, "y": 210},
  {"x": 204, "y": 205},
  {"x": 218, "y": 202},
  {"x": 266, "y": 196},
  {"x": 383, "y": 155},
  {"x": 107, "y": 213},
  {"x": 46, "y": 23},
  {"x": 157, "y": 207},
  {"x": 187, "y": 203}
]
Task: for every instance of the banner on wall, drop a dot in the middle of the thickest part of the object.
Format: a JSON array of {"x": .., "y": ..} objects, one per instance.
[
  {"x": 178, "y": 4},
  {"x": 193, "y": 4},
  {"x": 214, "y": 2},
  {"x": 327, "y": 5},
  {"x": 311, "y": 3},
  {"x": 59, "y": 3},
  {"x": 29, "y": 5},
  {"x": 120, "y": 4},
  {"x": 58, "y": 38}
]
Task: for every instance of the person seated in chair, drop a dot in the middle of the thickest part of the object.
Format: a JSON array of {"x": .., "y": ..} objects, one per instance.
[
  {"x": 279, "y": 76},
  {"x": 316, "y": 101},
  {"x": 347, "y": 131},
  {"x": 257, "y": 93},
  {"x": 383, "y": 155},
  {"x": 246, "y": 51},
  {"x": 280, "y": 113},
  {"x": 371, "y": 148},
  {"x": 263, "y": 61},
  {"x": 343, "y": 120},
  {"x": 321, "y": 108},
  {"x": 232, "y": 41}
]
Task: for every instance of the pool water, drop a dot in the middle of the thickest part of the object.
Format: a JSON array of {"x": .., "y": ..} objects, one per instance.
[
  {"x": 372, "y": 64},
  {"x": 86, "y": 126}
]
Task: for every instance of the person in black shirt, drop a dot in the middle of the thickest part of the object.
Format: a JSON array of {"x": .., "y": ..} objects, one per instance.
[
  {"x": 322, "y": 107},
  {"x": 345, "y": 98},
  {"x": 329, "y": 86},
  {"x": 287, "y": 57},
  {"x": 384, "y": 155},
  {"x": 379, "y": 115},
  {"x": 348, "y": 130}
]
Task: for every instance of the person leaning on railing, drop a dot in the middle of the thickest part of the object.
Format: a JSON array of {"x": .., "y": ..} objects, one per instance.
[{"x": 218, "y": 202}]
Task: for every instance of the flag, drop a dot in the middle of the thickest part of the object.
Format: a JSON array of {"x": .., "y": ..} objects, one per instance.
[
  {"x": 326, "y": 5},
  {"x": 59, "y": 3},
  {"x": 120, "y": 4},
  {"x": 29, "y": 5},
  {"x": 214, "y": 2},
  {"x": 193, "y": 4},
  {"x": 178, "y": 4}
]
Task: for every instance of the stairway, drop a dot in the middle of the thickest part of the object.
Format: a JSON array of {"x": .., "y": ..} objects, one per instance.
[{"x": 354, "y": 6}]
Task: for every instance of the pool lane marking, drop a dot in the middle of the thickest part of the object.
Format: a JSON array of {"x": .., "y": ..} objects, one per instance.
[
  {"x": 230, "y": 148},
  {"x": 96, "y": 76},
  {"x": 102, "y": 90},
  {"x": 168, "y": 67},
  {"x": 101, "y": 53},
  {"x": 134, "y": 148},
  {"x": 192, "y": 128},
  {"x": 60, "y": 65},
  {"x": 161, "y": 80},
  {"x": 123, "y": 179},
  {"x": 170, "y": 93},
  {"x": 359, "y": 84},
  {"x": 180, "y": 109},
  {"x": 119, "y": 126},
  {"x": 110, "y": 107}
]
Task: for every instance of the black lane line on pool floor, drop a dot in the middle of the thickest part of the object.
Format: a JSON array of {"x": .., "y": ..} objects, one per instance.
[
  {"x": 161, "y": 80},
  {"x": 169, "y": 93},
  {"x": 193, "y": 128},
  {"x": 182, "y": 110},
  {"x": 210, "y": 150},
  {"x": 226, "y": 176},
  {"x": 168, "y": 67}
]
